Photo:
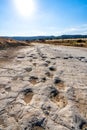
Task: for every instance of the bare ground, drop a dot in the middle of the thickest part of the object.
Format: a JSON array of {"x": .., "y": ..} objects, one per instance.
[{"x": 43, "y": 87}]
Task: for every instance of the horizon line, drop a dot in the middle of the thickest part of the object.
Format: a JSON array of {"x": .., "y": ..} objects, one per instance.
[{"x": 41, "y": 35}]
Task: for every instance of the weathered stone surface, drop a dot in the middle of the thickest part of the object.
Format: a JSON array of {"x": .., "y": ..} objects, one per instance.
[{"x": 43, "y": 87}]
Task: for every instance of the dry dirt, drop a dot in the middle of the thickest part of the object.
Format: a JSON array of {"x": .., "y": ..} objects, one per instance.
[{"x": 43, "y": 87}]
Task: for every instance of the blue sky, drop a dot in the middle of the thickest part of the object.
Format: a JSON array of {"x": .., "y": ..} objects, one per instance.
[{"x": 51, "y": 17}]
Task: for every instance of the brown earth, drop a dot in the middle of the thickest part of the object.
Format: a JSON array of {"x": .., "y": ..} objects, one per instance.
[{"x": 43, "y": 87}]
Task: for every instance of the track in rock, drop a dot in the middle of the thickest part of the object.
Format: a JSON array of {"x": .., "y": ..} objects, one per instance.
[{"x": 43, "y": 87}]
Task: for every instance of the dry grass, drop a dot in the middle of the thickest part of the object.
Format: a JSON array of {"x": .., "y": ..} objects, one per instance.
[
  {"x": 66, "y": 42},
  {"x": 7, "y": 42}
]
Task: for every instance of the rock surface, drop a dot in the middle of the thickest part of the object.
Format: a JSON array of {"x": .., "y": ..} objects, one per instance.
[{"x": 43, "y": 87}]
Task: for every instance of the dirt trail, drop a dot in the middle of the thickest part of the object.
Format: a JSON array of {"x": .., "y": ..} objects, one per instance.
[{"x": 43, "y": 87}]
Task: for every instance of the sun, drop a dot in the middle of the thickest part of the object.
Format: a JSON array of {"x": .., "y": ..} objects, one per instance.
[{"x": 25, "y": 8}]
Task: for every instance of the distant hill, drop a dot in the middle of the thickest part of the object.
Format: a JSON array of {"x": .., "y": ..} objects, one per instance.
[
  {"x": 50, "y": 37},
  {"x": 71, "y": 36},
  {"x": 32, "y": 38}
]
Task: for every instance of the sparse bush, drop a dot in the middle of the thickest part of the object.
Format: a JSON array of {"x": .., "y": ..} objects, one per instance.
[
  {"x": 42, "y": 40},
  {"x": 80, "y": 41}
]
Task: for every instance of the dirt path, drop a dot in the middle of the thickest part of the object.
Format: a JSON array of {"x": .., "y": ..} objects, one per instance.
[{"x": 43, "y": 87}]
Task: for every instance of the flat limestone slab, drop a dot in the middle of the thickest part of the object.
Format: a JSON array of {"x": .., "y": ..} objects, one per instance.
[{"x": 43, "y": 87}]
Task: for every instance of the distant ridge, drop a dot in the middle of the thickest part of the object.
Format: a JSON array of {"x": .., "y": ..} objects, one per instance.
[{"x": 31, "y": 38}]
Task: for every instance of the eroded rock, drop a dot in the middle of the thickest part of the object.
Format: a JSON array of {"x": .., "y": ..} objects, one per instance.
[{"x": 43, "y": 87}]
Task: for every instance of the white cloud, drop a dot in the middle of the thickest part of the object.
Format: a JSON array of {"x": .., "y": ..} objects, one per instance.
[
  {"x": 75, "y": 30},
  {"x": 81, "y": 29}
]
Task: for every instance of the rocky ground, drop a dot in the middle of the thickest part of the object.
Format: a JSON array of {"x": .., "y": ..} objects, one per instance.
[{"x": 43, "y": 87}]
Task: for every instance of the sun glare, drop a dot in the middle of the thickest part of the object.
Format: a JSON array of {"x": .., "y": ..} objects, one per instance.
[{"x": 25, "y": 8}]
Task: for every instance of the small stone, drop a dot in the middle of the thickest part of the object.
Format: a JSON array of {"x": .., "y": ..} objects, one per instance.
[
  {"x": 44, "y": 57},
  {"x": 70, "y": 57},
  {"x": 43, "y": 79},
  {"x": 21, "y": 56},
  {"x": 66, "y": 57},
  {"x": 33, "y": 78},
  {"x": 45, "y": 64},
  {"x": 27, "y": 90},
  {"x": 47, "y": 73},
  {"x": 50, "y": 91},
  {"x": 28, "y": 69},
  {"x": 57, "y": 80},
  {"x": 48, "y": 61},
  {"x": 52, "y": 68},
  {"x": 83, "y": 60}
]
